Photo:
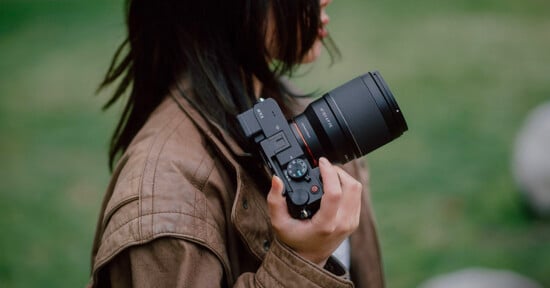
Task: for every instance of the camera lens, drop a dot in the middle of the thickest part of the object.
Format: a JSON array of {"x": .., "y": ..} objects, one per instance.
[{"x": 350, "y": 121}]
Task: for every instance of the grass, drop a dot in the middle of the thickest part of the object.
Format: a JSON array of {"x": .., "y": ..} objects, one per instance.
[
  {"x": 53, "y": 137},
  {"x": 465, "y": 73}
]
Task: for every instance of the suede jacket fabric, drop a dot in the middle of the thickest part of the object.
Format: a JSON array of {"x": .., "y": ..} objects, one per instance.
[{"x": 182, "y": 210}]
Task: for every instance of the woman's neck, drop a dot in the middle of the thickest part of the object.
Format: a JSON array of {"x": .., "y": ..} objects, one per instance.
[{"x": 257, "y": 87}]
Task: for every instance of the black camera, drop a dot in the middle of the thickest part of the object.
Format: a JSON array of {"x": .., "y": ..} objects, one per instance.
[{"x": 345, "y": 123}]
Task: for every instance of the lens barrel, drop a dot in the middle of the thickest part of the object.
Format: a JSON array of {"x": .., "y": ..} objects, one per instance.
[{"x": 351, "y": 120}]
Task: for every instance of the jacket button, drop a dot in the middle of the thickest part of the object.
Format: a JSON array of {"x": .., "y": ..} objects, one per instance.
[
  {"x": 267, "y": 244},
  {"x": 245, "y": 203}
]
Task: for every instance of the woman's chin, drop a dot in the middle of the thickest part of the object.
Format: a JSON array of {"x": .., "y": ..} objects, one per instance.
[{"x": 314, "y": 53}]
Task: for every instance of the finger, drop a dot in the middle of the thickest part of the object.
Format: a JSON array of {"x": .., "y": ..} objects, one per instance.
[
  {"x": 330, "y": 202},
  {"x": 351, "y": 196},
  {"x": 276, "y": 202},
  {"x": 349, "y": 183}
]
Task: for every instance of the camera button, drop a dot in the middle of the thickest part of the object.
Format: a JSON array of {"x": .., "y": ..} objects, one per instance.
[
  {"x": 299, "y": 197},
  {"x": 314, "y": 189},
  {"x": 297, "y": 169}
]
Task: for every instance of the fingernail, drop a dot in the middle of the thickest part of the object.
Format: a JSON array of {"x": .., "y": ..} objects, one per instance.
[{"x": 324, "y": 161}]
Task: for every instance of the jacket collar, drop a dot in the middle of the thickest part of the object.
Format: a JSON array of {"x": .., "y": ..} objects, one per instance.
[{"x": 206, "y": 125}]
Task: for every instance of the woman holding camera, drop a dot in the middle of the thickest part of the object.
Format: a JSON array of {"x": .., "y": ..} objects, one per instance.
[{"x": 188, "y": 205}]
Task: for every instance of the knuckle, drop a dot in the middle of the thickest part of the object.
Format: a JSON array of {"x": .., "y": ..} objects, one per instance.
[
  {"x": 333, "y": 193},
  {"x": 356, "y": 186},
  {"x": 350, "y": 226},
  {"x": 326, "y": 230}
]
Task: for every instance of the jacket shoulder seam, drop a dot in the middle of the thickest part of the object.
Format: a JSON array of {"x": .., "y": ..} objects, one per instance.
[
  {"x": 154, "y": 235},
  {"x": 128, "y": 244}
]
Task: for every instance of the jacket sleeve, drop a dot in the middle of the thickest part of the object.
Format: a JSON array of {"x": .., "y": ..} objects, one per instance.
[
  {"x": 282, "y": 267},
  {"x": 164, "y": 262},
  {"x": 172, "y": 262}
]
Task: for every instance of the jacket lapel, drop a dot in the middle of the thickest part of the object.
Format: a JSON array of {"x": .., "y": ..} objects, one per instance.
[{"x": 249, "y": 212}]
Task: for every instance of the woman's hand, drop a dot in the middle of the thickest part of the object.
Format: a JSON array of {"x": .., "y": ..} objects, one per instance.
[{"x": 317, "y": 238}]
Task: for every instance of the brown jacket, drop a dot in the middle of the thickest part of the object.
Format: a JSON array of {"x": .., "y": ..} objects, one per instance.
[{"x": 181, "y": 211}]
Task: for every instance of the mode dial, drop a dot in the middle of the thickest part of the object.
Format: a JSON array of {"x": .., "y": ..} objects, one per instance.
[{"x": 296, "y": 169}]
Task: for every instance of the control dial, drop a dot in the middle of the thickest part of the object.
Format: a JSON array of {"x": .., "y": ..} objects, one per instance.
[{"x": 296, "y": 169}]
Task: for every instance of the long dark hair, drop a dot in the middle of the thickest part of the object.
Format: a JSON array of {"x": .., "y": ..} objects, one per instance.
[{"x": 219, "y": 45}]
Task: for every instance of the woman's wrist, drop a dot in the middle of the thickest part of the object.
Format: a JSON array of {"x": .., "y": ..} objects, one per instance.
[{"x": 317, "y": 260}]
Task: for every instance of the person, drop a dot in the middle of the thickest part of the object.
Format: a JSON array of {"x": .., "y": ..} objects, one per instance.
[{"x": 189, "y": 205}]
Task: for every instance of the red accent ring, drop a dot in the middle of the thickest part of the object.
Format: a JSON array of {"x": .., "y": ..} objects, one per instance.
[{"x": 305, "y": 144}]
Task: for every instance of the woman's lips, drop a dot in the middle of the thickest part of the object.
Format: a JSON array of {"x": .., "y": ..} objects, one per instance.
[{"x": 325, "y": 19}]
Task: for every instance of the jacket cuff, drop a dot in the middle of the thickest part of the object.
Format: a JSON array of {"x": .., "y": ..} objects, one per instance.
[{"x": 282, "y": 267}]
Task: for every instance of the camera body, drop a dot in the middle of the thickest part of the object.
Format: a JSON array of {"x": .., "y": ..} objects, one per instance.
[
  {"x": 344, "y": 124},
  {"x": 267, "y": 126}
]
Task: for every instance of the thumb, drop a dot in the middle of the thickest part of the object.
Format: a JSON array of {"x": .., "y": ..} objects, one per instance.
[{"x": 276, "y": 201}]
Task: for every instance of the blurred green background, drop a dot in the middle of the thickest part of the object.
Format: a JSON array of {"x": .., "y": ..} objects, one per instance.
[{"x": 465, "y": 73}]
